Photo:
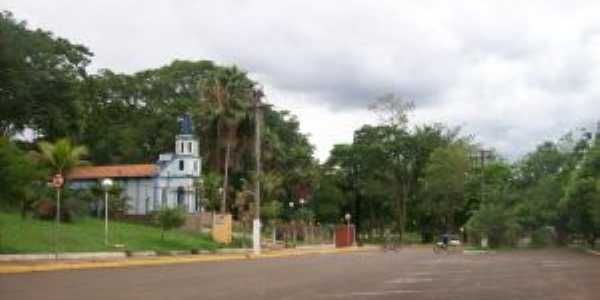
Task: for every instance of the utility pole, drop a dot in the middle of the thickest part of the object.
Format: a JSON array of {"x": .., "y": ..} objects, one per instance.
[
  {"x": 258, "y": 94},
  {"x": 483, "y": 154}
]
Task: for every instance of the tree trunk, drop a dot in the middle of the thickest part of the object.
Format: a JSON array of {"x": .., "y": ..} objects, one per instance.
[
  {"x": 217, "y": 160},
  {"x": 23, "y": 209},
  {"x": 372, "y": 219},
  {"x": 404, "y": 200},
  {"x": 274, "y": 234},
  {"x": 398, "y": 225},
  {"x": 225, "y": 178}
]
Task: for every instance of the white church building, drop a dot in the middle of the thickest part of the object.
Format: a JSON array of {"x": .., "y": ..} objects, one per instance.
[{"x": 171, "y": 181}]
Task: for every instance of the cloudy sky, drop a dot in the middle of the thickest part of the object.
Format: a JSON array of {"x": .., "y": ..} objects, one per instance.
[{"x": 513, "y": 73}]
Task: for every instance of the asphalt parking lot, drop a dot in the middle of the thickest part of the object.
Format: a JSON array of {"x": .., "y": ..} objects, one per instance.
[{"x": 406, "y": 274}]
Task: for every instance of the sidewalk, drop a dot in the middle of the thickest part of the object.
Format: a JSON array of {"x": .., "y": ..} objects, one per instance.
[{"x": 52, "y": 265}]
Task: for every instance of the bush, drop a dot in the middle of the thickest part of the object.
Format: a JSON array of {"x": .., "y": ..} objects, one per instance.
[
  {"x": 46, "y": 210},
  {"x": 542, "y": 237},
  {"x": 72, "y": 206},
  {"x": 496, "y": 223},
  {"x": 170, "y": 218}
]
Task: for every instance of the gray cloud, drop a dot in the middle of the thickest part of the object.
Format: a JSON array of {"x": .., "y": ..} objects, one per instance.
[{"x": 512, "y": 72}]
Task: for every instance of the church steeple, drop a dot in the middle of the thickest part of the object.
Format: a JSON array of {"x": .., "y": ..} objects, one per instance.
[
  {"x": 185, "y": 124},
  {"x": 185, "y": 142}
]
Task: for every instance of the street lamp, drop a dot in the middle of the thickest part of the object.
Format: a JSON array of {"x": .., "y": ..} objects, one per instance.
[
  {"x": 107, "y": 184},
  {"x": 301, "y": 202},
  {"x": 292, "y": 222},
  {"x": 348, "y": 217}
]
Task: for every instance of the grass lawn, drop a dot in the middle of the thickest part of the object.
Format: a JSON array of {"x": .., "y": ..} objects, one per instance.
[{"x": 87, "y": 234}]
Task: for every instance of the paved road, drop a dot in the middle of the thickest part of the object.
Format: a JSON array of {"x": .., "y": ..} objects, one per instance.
[{"x": 408, "y": 274}]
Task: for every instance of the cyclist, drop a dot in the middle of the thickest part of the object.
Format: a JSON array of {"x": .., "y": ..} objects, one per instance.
[{"x": 445, "y": 240}]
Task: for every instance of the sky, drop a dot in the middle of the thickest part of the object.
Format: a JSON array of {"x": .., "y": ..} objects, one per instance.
[{"x": 511, "y": 73}]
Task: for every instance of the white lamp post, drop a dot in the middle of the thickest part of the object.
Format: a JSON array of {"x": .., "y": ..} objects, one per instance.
[
  {"x": 301, "y": 202},
  {"x": 107, "y": 184},
  {"x": 348, "y": 217}
]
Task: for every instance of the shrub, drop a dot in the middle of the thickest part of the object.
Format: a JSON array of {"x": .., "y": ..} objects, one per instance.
[
  {"x": 170, "y": 218},
  {"x": 542, "y": 237},
  {"x": 45, "y": 209}
]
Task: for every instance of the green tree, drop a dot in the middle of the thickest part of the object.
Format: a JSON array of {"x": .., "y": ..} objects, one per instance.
[
  {"x": 60, "y": 157},
  {"x": 131, "y": 118},
  {"x": 212, "y": 188},
  {"x": 496, "y": 222},
  {"x": 226, "y": 94},
  {"x": 18, "y": 176},
  {"x": 39, "y": 82},
  {"x": 582, "y": 197},
  {"x": 445, "y": 178}
]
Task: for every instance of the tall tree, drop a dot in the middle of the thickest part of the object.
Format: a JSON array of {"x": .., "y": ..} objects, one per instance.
[
  {"x": 445, "y": 179},
  {"x": 39, "y": 81},
  {"x": 227, "y": 94},
  {"x": 582, "y": 198}
]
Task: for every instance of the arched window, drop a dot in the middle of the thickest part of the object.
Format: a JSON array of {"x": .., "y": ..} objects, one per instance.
[{"x": 181, "y": 165}]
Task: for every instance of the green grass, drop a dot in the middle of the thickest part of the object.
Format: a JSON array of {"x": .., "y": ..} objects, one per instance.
[{"x": 87, "y": 234}]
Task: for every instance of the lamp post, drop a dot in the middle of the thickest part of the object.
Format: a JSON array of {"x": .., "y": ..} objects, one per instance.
[
  {"x": 348, "y": 217},
  {"x": 292, "y": 221},
  {"x": 57, "y": 182},
  {"x": 107, "y": 184}
]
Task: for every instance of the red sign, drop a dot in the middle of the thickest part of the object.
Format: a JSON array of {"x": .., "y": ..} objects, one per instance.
[{"x": 58, "y": 181}]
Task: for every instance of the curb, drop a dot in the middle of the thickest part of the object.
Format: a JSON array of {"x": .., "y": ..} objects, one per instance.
[
  {"x": 165, "y": 260},
  {"x": 61, "y": 256},
  {"x": 233, "y": 251},
  {"x": 477, "y": 252},
  {"x": 585, "y": 249},
  {"x": 593, "y": 252},
  {"x": 142, "y": 254}
]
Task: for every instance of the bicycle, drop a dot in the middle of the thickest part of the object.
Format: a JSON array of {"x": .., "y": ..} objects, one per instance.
[
  {"x": 391, "y": 243},
  {"x": 440, "y": 247}
]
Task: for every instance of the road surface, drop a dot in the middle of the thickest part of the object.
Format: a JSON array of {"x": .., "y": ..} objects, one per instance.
[{"x": 407, "y": 274}]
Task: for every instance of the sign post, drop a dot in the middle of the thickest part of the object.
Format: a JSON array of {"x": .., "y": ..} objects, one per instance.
[{"x": 57, "y": 183}]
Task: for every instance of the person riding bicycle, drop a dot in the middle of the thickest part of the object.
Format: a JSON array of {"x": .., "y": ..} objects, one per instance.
[{"x": 445, "y": 240}]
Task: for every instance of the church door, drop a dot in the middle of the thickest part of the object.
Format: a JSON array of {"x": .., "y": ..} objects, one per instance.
[{"x": 181, "y": 197}]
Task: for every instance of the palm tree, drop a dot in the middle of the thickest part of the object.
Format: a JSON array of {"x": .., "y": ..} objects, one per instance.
[
  {"x": 60, "y": 157},
  {"x": 227, "y": 94}
]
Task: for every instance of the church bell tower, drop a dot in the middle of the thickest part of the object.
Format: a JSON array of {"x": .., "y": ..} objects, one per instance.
[{"x": 187, "y": 148}]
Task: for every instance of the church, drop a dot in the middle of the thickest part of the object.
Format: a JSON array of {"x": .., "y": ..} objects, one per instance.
[{"x": 172, "y": 181}]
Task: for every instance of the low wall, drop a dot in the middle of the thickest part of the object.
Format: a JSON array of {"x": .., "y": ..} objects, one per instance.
[{"x": 198, "y": 221}]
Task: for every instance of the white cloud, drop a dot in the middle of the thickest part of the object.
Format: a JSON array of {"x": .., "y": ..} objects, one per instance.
[{"x": 512, "y": 72}]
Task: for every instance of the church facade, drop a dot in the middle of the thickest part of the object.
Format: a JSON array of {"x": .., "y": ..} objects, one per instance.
[{"x": 172, "y": 181}]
